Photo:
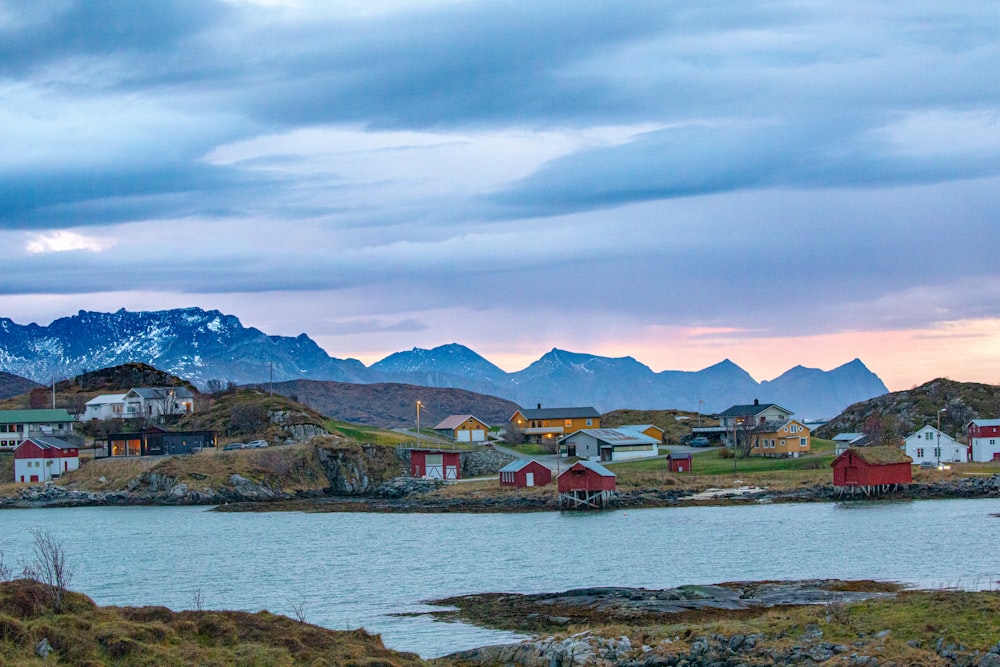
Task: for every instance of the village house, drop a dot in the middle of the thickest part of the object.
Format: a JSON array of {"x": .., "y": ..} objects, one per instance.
[
  {"x": 743, "y": 418},
  {"x": 548, "y": 424},
  {"x": 105, "y": 406},
  {"x": 524, "y": 473},
  {"x": 788, "y": 438},
  {"x": 871, "y": 470},
  {"x": 16, "y": 425},
  {"x": 845, "y": 441},
  {"x": 608, "y": 444},
  {"x": 983, "y": 436},
  {"x": 39, "y": 459},
  {"x": 586, "y": 484},
  {"x": 463, "y": 428},
  {"x": 929, "y": 445},
  {"x": 156, "y": 441},
  {"x": 147, "y": 403}
]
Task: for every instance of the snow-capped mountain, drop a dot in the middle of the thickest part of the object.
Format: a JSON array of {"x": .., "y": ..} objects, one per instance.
[{"x": 201, "y": 345}]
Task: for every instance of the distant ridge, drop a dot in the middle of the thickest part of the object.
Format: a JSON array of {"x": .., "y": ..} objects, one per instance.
[{"x": 202, "y": 345}]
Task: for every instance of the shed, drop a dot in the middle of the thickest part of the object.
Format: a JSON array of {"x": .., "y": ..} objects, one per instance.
[
  {"x": 435, "y": 463},
  {"x": 679, "y": 462},
  {"x": 522, "y": 473},
  {"x": 586, "y": 484},
  {"x": 871, "y": 470},
  {"x": 41, "y": 459},
  {"x": 156, "y": 441},
  {"x": 609, "y": 444},
  {"x": 463, "y": 428}
]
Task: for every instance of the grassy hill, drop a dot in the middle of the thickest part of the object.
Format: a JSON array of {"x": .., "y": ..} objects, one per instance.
[
  {"x": 914, "y": 408},
  {"x": 675, "y": 423},
  {"x": 15, "y": 385}
]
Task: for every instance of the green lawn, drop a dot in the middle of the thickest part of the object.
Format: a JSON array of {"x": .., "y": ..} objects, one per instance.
[
  {"x": 710, "y": 463},
  {"x": 531, "y": 449}
]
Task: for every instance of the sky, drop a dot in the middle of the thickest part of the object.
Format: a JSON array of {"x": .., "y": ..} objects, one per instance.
[{"x": 775, "y": 183}]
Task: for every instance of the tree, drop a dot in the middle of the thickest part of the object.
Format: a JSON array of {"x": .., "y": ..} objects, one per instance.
[
  {"x": 50, "y": 568},
  {"x": 513, "y": 434},
  {"x": 883, "y": 430},
  {"x": 248, "y": 418},
  {"x": 746, "y": 433}
]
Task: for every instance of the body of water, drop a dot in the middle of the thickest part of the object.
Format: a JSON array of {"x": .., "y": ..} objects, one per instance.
[{"x": 350, "y": 570}]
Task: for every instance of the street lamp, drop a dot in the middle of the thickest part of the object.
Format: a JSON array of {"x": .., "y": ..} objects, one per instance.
[
  {"x": 939, "y": 437},
  {"x": 419, "y": 405}
]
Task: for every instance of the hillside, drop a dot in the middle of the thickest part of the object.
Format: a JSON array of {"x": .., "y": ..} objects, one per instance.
[
  {"x": 393, "y": 405},
  {"x": 74, "y": 393},
  {"x": 14, "y": 385},
  {"x": 675, "y": 423},
  {"x": 914, "y": 408}
]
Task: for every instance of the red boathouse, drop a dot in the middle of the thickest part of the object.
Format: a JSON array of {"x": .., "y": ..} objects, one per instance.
[
  {"x": 434, "y": 463},
  {"x": 679, "y": 462},
  {"x": 586, "y": 484},
  {"x": 522, "y": 473},
  {"x": 871, "y": 470}
]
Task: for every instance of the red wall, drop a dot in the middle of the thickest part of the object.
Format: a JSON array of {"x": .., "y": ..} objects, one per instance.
[
  {"x": 869, "y": 474},
  {"x": 581, "y": 478},
  {"x": 543, "y": 476}
]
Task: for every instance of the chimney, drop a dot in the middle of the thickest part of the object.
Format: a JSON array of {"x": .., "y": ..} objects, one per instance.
[
  {"x": 539, "y": 406},
  {"x": 756, "y": 401}
]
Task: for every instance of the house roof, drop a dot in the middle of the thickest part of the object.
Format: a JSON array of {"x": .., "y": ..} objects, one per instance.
[
  {"x": 34, "y": 416},
  {"x": 153, "y": 393},
  {"x": 592, "y": 466},
  {"x": 518, "y": 464},
  {"x": 985, "y": 422},
  {"x": 847, "y": 437},
  {"x": 105, "y": 399},
  {"x": 454, "y": 421},
  {"x": 878, "y": 455},
  {"x": 560, "y": 413},
  {"x": 48, "y": 443},
  {"x": 614, "y": 436},
  {"x": 639, "y": 427},
  {"x": 753, "y": 409}
]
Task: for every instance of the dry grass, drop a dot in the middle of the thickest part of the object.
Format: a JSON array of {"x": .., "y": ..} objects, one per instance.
[{"x": 87, "y": 635}]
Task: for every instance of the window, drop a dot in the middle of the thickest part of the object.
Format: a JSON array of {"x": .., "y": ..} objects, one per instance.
[
  {"x": 569, "y": 422},
  {"x": 590, "y": 422},
  {"x": 794, "y": 428},
  {"x": 803, "y": 443},
  {"x": 920, "y": 452},
  {"x": 937, "y": 452}
]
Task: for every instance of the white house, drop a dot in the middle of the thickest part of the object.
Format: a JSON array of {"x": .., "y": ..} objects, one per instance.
[
  {"x": 609, "y": 444},
  {"x": 923, "y": 445},
  {"x": 105, "y": 406},
  {"x": 153, "y": 402},
  {"x": 16, "y": 425},
  {"x": 41, "y": 459},
  {"x": 983, "y": 436}
]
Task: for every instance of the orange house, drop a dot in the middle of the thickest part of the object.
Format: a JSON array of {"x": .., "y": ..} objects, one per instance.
[
  {"x": 549, "y": 424},
  {"x": 788, "y": 438}
]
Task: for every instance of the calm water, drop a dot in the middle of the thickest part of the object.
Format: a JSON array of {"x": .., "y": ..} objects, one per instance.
[{"x": 351, "y": 570}]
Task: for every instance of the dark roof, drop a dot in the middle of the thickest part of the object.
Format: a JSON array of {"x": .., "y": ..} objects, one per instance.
[
  {"x": 752, "y": 409},
  {"x": 153, "y": 393},
  {"x": 49, "y": 443},
  {"x": 560, "y": 413}
]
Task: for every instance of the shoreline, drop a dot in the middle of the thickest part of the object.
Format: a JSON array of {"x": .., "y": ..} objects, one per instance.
[{"x": 249, "y": 497}]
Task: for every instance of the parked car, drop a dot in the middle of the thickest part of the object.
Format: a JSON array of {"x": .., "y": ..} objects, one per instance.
[
  {"x": 234, "y": 445},
  {"x": 700, "y": 441},
  {"x": 256, "y": 444}
]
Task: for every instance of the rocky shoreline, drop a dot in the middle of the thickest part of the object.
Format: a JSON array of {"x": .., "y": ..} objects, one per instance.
[{"x": 413, "y": 495}]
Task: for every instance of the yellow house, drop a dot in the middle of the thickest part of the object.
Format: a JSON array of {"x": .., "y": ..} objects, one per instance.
[
  {"x": 464, "y": 428},
  {"x": 785, "y": 438},
  {"x": 649, "y": 430},
  {"x": 550, "y": 424}
]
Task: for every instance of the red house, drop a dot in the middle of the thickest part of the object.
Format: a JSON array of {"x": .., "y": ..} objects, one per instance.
[
  {"x": 586, "y": 484},
  {"x": 679, "y": 462},
  {"x": 41, "y": 459},
  {"x": 435, "y": 463},
  {"x": 523, "y": 473},
  {"x": 871, "y": 469}
]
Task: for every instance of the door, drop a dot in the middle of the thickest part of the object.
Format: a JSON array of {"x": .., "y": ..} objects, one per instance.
[
  {"x": 851, "y": 475},
  {"x": 434, "y": 466},
  {"x": 478, "y": 435},
  {"x": 529, "y": 479},
  {"x": 464, "y": 436},
  {"x": 451, "y": 472},
  {"x": 33, "y": 478}
]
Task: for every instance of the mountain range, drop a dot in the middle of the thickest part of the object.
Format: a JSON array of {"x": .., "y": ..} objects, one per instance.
[{"x": 202, "y": 346}]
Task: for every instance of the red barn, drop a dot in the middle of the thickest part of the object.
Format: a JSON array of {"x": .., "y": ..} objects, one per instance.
[
  {"x": 679, "y": 462},
  {"x": 40, "y": 459},
  {"x": 435, "y": 463},
  {"x": 871, "y": 469},
  {"x": 586, "y": 484},
  {"x": 523, "y": 473}
]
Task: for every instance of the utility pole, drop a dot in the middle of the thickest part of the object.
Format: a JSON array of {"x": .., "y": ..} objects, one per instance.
[{"x": 53, "y": 392}]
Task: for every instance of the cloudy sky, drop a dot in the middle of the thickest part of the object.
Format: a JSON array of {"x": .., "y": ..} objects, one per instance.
[{"x": 778, "y": 183}]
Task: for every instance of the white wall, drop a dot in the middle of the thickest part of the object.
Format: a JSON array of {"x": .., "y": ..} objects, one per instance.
[{"x": 983, "y": 449}]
